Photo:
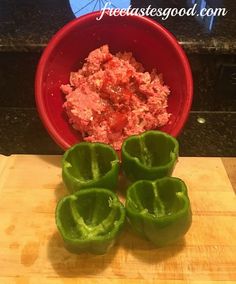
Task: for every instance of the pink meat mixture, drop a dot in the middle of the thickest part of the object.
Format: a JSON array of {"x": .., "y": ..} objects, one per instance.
[{"x": 111, "y": 97}]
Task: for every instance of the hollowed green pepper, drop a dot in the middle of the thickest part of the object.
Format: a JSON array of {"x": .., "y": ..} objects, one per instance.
[
  {"x": 151, "y": 155},
  {"x": 159, "y": 210},
  {"x": 90, "y": 220},
  {"x": 90, "y": 165}
]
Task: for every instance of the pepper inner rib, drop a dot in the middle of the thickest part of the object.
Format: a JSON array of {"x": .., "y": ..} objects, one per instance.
[
  {"x": 145, "y": 154},
  {"x": 158, "y": 206},
  {"x": 79, "y": 221},
  {"x": 94, "y": 164},
  {"x": 138, "y": 204}
]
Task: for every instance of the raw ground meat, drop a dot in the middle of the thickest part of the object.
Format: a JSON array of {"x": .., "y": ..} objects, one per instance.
[{"x": 111, "y": 97}]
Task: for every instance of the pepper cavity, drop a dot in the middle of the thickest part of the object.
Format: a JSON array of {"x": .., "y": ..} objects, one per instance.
[
  {"x": 150, "y": 155},
  {"x": 159, "y": 211},
  {"x": 90, "y": 217},
  {"x": 90, "y": 165}
]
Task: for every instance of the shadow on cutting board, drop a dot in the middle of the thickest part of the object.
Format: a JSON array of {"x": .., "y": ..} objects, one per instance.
[
  {"x": 145, "y": 251},
  {"x": 60, "y": 191},
  {"x": 67, "y": 264},
  {"x": 54, "y": 160}
]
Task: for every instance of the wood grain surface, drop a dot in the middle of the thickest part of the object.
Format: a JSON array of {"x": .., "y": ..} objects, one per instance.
[{"x": 31, "y": 250}]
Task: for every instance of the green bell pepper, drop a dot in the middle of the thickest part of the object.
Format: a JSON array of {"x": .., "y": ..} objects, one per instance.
[
  {"x": 151, "y": 155},
  {"x": 90, "y": 165},
  {"x": 90, "y": 220},
  {"x": 159, "y": 210}
]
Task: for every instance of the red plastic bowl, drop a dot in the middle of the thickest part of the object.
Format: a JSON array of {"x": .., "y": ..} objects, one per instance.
[{"x": 150, "y": 43}]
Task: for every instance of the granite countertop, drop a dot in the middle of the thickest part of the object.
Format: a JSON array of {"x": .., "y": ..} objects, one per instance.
[
  {"x": 28, "y": 25},
  {"x": 22, "y": 132}
]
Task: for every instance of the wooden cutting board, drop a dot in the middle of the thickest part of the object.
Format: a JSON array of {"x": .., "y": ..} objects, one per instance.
[{"x": 31, "y": 250}]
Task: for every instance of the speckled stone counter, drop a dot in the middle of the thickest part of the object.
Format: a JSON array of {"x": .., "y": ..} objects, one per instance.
[
  {"x": 22, "y": 132},
  {"x": 28, "y": 25}
]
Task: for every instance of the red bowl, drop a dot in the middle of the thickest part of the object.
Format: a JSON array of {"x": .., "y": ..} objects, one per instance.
[{"x": 150, "y": 43}]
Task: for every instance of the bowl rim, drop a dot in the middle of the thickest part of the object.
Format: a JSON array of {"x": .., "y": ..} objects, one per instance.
[{"x": 56, "y": 38}]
